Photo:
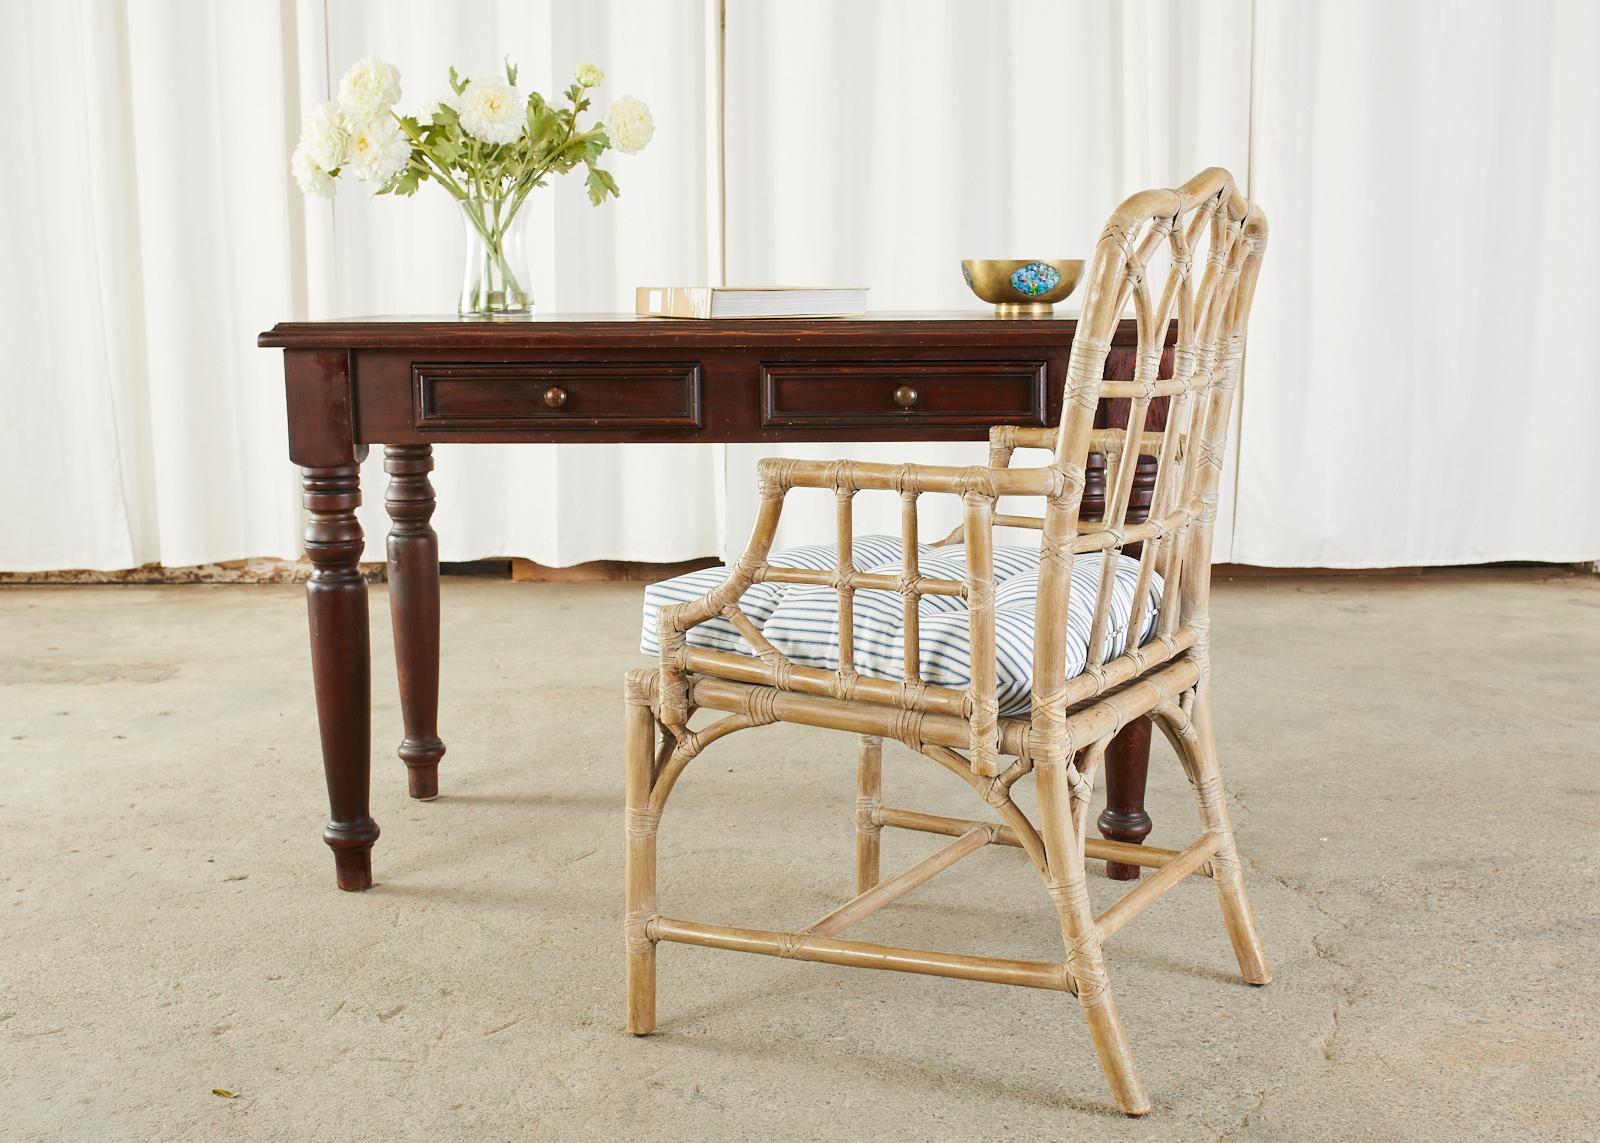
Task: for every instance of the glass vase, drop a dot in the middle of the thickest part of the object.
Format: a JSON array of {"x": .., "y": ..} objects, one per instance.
[{"x": 495, "y": 280}]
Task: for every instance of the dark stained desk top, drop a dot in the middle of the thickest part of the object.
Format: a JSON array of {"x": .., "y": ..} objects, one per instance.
[{"x": 554, "y": 330}]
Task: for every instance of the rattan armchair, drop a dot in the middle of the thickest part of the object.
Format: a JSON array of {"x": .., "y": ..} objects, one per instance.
[{"x": 1209, "y": 242}]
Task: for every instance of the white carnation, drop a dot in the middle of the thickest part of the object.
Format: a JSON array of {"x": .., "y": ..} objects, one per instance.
[
  {"x": 492, "y": 110},
  {"x": 369, "y": 89},
  {"x": 313, "y": 179},
  {"x": 589, "y": 75},
  {"x": 379, "y": 150},
  {"x": 323, "y": 138},
  {"x": 629, "y": 125}
]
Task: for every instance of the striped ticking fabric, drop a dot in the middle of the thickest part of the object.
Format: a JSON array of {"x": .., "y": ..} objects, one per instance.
[{"x": 803, "y": 622}]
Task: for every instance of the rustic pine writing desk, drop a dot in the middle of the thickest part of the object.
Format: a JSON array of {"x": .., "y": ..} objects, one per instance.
[{"x": 407, "y": 383}]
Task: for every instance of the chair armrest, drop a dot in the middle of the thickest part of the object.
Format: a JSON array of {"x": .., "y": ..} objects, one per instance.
[
  {"x": 1004, "y": 438},
  {"x": 978, "y": 486},
  {"x": 778, "y": 474}
]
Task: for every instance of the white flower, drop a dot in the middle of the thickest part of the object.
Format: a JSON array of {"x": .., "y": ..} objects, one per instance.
[
  {"x": 324, "y": 139},
  {"x": 590, "y": 76},
  {"x": 313, "y": 179},
  {"x": 629, "y": 125},
  {"x": 369, "y": 89},
  {"x": 324, "y": 146},
  {"x": 379, "y": 150},
  {"x": 493, "y": 110}
]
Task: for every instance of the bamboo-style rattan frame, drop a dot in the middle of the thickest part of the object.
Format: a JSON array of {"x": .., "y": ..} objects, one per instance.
[{"x": 1064, "y": 737}]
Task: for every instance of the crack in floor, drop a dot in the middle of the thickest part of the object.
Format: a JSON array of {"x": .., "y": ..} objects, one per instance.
[
  {"x": 1323, "y": 951},
  {"x": 1329, "y": 1056}
]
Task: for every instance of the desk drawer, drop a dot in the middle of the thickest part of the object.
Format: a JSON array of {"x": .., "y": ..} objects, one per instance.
[
  {"x": 865, "y": 394},
  {"x": 556, "y": 395}
]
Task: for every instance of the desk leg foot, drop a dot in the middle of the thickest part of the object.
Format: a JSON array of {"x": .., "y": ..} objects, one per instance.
[
  {"x": 1124, "y": 819},
  {"x": 352, "y": 865},
  {"x": 341, "y": 665},
  {"x": 414, "y": 610},
  {"x": 421, "y": 757}
]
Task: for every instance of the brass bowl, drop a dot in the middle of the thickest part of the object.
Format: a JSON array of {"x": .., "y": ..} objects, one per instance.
[{"x": 1020, "y": 287}]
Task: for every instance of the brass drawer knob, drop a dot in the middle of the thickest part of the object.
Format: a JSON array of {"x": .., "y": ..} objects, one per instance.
[
  {"x": 905, "y": 396},
  {"x": 555, "y": 396}
]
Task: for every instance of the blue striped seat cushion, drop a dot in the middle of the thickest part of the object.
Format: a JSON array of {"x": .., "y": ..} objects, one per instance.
[{"x": 803, "y": 622}]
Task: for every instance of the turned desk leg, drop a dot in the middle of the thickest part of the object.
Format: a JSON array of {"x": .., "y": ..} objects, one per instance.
[
  {"x": 1127, "y": 760},
  {"x": 414, "y": 610},
  {"x": 336, "y": 600},
  {"x": 1127, "y": 763}
]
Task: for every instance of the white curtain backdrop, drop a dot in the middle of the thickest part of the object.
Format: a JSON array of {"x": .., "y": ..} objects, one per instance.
[
  {"x": 1420, "y": 385},
  {"x": 148, "y": 233},
  {"x": 1417, "y": 388}
]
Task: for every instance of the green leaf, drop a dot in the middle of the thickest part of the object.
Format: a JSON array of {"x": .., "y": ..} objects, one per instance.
[
  {"x": 457, "y": 84},
  {"x": 446, "y": 116},
  {"x": 544, "y": 125},
  {"x": 443, "y": 148},
  {"x": 511, "y": 72},
  {"x": 536, "y": 108},
  {"x": 601, "y": 184},
  {"x": 408, "y": 180}
]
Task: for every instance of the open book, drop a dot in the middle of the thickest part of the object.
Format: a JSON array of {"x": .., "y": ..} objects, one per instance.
[{"x": 749, "y": 302}]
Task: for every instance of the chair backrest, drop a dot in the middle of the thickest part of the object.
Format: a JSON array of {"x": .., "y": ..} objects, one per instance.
[{"x": 1204, "y": 242}]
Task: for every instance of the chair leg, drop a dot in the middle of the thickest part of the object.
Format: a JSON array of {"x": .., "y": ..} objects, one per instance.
[
  {"x": 869, "y": 799},
  {"x": 1206, "y": 775},
  {"x": 1086, "y": 963},
  {"x": 640, "y": 872}
]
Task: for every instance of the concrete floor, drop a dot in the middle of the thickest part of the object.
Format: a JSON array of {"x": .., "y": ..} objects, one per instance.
[{"x": 1412, "y": 764}]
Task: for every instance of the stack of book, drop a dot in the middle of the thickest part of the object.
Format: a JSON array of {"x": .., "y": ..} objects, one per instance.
[{"x": 749, "y": 302}]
